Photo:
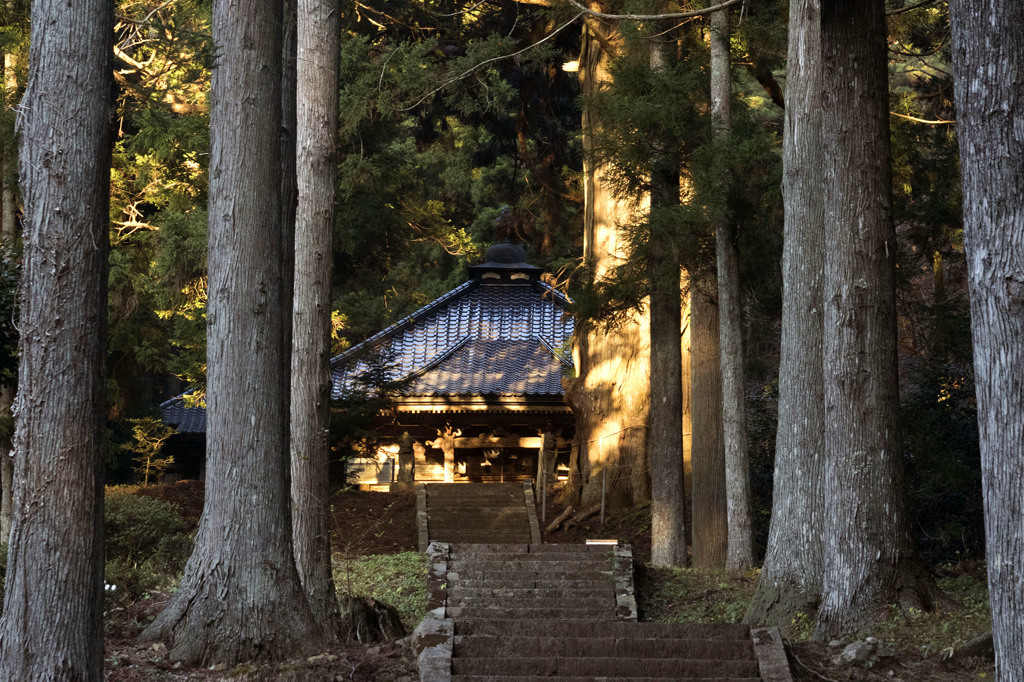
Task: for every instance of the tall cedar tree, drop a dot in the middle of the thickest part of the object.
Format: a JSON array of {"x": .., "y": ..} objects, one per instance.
[
  {"x": 739, "y": 547},
  {"x": 668, "y": 526},
  {"x": 988, "y": 41},
  {"x": 319, "y": 43},
  {"x": 610, "y": 394},
  {"x": 707, "y": 455},
  {"x": 790, "y": 581},
  {"x": 53, "y": 604},
  {"x": 240, "y": 598},
  {"x": 869, "y": 558}
]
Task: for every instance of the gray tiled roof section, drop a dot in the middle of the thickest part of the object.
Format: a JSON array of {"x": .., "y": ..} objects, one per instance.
[
  {"x": 476, "y": 339},
  {"x": 183, "y": 419}
]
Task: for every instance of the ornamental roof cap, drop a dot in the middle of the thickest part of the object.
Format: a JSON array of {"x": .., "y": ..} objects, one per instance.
[{"x": 504, "y": 263}]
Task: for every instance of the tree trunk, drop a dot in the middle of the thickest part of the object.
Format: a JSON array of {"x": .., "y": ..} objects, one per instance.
[
  {"x": 668, "y": 522},
  {"x": 740, "y": 549},
  {"x": 52, "y": 625},
  {"x": 988, "y": 40},
  {"x": 6, "y": 463},
  {"x": 318, "y": 53},
  {"x": 790, "y": 581},
  {"x": 610, "y": 394},
  {"x": 709, "y": 515},
  {"x": 289, "y": 184},
  {"x": 240, "y": 598},
  {"x": 869, "y": 558}
]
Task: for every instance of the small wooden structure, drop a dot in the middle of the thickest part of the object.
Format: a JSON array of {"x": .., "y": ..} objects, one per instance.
[{"x": 481, "y": 370}]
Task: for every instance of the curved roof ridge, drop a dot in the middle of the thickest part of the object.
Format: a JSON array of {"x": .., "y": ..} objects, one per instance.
[{"x": 403, "y": 323}]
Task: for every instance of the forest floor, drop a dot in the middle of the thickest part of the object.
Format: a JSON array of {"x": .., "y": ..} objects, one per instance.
[{"x": 384, "y": 524}]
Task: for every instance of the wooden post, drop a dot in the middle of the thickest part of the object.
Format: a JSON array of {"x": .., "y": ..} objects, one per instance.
[{"x": 406, "y": 461}]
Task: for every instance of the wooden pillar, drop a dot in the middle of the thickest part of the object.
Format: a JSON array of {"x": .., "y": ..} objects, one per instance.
[{"x": 546, "y": 457}]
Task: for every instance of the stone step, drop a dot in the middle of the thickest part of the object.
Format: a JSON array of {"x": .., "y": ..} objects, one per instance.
[
  {"x": 525, "y": 613},
  {"x": 474, "y": 548},
  {"x": 472, "y": 503},
  {"x": 503, "y": 551},
  {"x": 477, "y": 646},
  {"x": 470, "y": 535},
  {"x": 551, "y": 583},
  {"x": 558, "y": 628},
  {"x": 497, "y": 522},
  {"x": 462, "y": 592},
  {"x": 588, "y": 678},
  {"x": 485, "y": 511},
  {"x": 520, "y": 556},
  {"x": 479, "y": 525},
  {"x": 460, "y": 575},
  {"x": 590, "y": 601},
  {"x": 573, "y": 566},
  {"x": 671, "y": 668},
  {"x": 517, "y": 485}
]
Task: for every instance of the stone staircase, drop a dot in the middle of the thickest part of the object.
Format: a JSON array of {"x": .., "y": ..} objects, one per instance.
[
  {"x": 477, "y": 513},
  {"x": 520, "y": 611}
]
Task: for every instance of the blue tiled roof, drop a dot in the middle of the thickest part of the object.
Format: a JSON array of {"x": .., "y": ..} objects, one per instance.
[{"x": 478, "y": 339}]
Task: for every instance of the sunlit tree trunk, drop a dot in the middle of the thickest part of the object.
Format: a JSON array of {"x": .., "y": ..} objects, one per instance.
[
  {"x": 740, "y": 549},
  {"x": 610, "y": 394},
  {"x": 988, "y": 41},
  {"x": 52, "y": 626},
  {"x": 709, "y": 516},
  {"x": 318, "y": 53},
  {"x": 869, "y": 558},
  {"x": 240, "y": 598},
  {"x": 790, "y": 581}
]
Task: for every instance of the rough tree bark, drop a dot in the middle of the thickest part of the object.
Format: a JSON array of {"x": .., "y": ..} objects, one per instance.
[
  {"x": 610, "y": 394},
  {"x": 289, "y": 182},
  {"x": 240, "y": 598},
  {"x": 790, "y": 581},
  {"x": 740, "y": 548},
  {"x": 319, "y": 45},
  {"x": 988, "y": 41},
  {"x": 668, "y": 524},
  {"x": 869, "y": 558},
  {"x": 709, "y": 516},
  {"x": 53, "y": 606}
]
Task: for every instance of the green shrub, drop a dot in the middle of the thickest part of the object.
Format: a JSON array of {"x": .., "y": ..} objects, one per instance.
[
  {"x": 146, "y": 543},
  {"x": 395, "y": 579}
]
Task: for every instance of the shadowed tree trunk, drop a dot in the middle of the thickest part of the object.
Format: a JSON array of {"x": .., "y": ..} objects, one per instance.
[
  {"x": 988, "y": 41},
  {"x": 6, "y": 462},
  {"x": 790, "y": 581},
  {"x": 52, "y": 625},
  {"x": 240, "y": 598},
  {"x": 668, "y": 524},
  {"x": 289, "y": 187},
  {"x": 740, "y": 549},
  {"x": 869, "y": 558},
  {"x": 318, "y": 53},
  {"x": 709, "y": 516},
  {"x": 610, "y": 394}
]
